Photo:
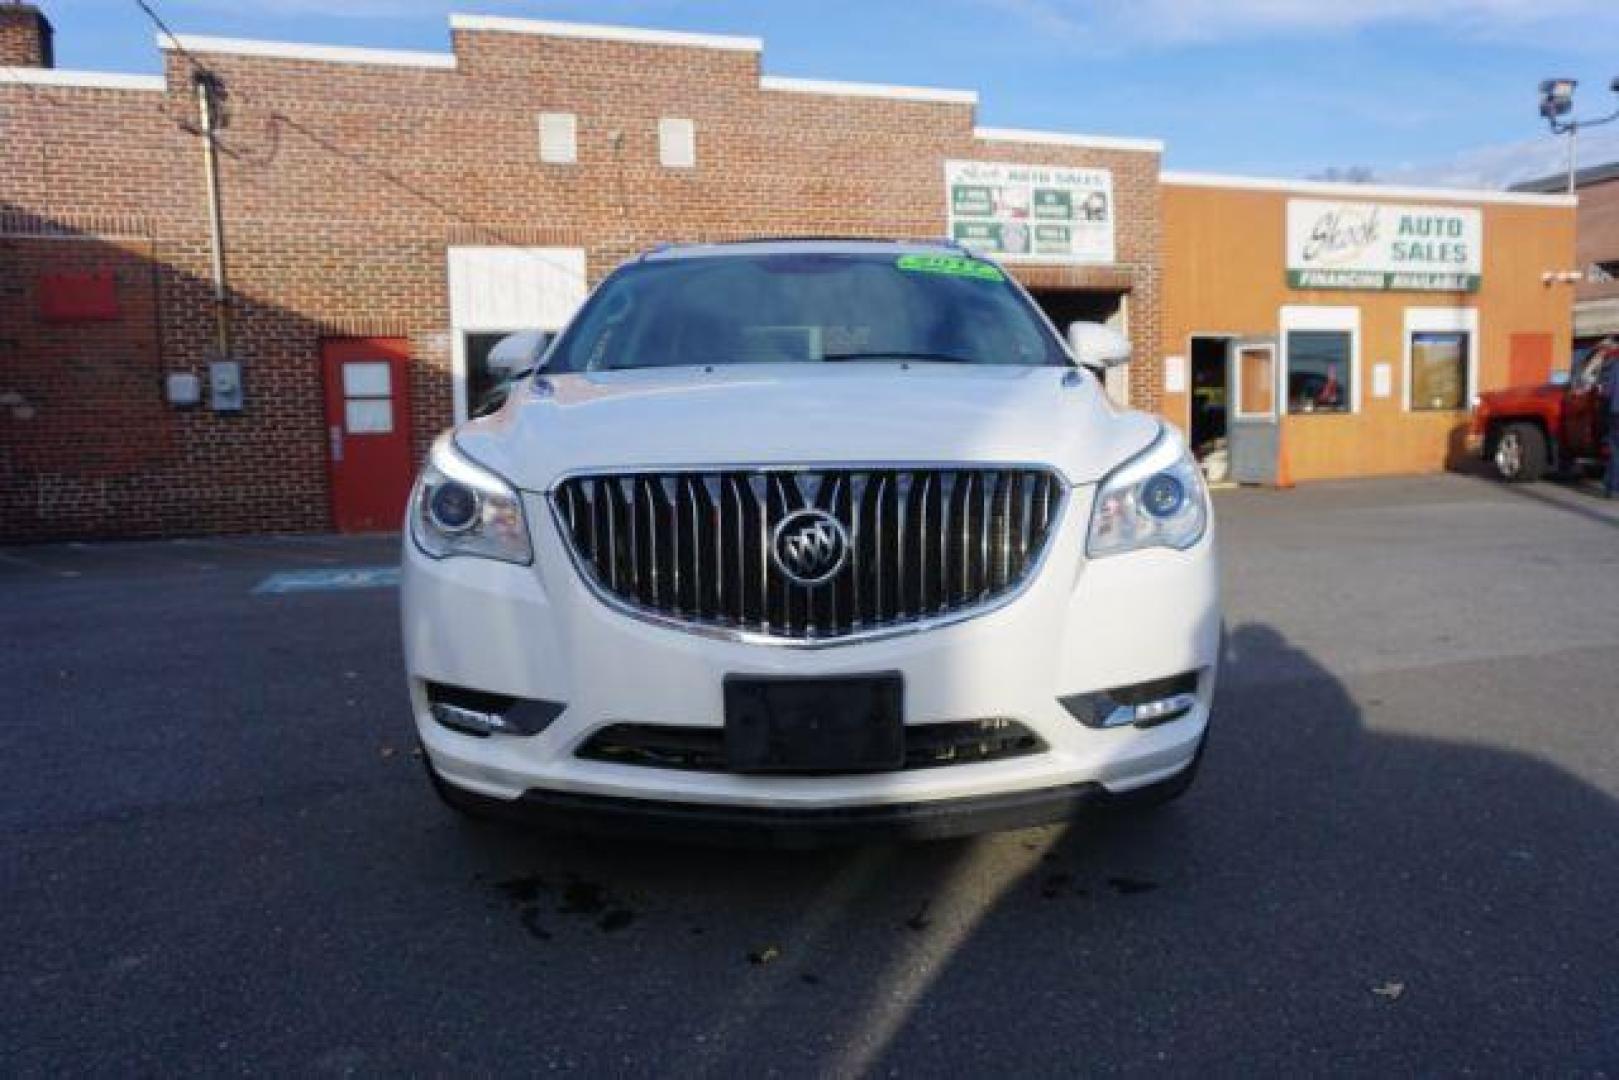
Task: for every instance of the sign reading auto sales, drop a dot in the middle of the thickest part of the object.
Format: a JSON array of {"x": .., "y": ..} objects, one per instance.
[
  {"x": 1031, "y": 213},
  {"x": 1390, "y": 246}
]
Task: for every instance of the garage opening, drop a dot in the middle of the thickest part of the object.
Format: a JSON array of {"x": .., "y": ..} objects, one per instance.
[
  {"x": 1109, "y": 306},
  {"x": 1209, "y": 397}
]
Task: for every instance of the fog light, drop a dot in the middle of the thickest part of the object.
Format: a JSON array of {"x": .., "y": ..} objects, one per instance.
[
  {"x": 1156, "y": 712},
  {"x": 470, "y": 721},
  {"x": 474, "y": 712},
  {"x": 1139, "y": 704}
]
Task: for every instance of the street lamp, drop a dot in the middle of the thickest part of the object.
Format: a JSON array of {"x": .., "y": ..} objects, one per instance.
[{"x": 1556, "y": 102}]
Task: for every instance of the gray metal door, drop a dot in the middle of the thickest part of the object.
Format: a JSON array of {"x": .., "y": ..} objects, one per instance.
[{"x": 1253, "y": 429}]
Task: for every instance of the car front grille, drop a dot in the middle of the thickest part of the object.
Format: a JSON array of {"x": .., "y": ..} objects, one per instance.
[
  {"x": 702, "y": 749},
  {"x": 698, "y": 548}
]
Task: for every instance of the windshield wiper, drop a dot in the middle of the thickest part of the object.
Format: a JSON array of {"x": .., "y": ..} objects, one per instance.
[{"x": 928, "y": 357}]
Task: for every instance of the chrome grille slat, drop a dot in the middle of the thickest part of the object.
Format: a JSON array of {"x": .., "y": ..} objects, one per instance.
[{"x": 693, "y": 547}]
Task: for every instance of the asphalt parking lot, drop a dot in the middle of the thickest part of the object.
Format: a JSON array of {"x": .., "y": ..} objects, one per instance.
[{"x": 219, "y": 854}]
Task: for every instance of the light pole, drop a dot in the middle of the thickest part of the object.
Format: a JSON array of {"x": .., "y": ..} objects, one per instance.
[{"x": 1556, "y": 102}]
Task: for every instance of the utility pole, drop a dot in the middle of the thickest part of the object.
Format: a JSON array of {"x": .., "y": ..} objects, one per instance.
[{"x": 208, "y": 91}]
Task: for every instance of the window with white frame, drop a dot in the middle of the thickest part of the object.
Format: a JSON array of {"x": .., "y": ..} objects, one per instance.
[
  {"x": 677, "y": 143},
  {"x": 559, "y": 138},
  {"x": 1321, "y": 347},
  {"x": 1441, "y": 350}
]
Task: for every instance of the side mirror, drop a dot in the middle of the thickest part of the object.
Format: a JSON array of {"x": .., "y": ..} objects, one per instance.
[
  {"x": 1097, "y": 346},
  {"x": 522, "y": 351}
]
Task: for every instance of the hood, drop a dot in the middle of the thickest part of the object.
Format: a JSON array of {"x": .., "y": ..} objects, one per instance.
[{"x": 801, "y": 414}]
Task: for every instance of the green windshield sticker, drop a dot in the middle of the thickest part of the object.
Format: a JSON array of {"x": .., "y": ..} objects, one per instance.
[{"x": 954, "y": 265}]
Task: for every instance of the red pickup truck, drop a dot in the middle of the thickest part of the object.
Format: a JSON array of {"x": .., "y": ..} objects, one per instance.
[{"x": 1527, "y": 430}]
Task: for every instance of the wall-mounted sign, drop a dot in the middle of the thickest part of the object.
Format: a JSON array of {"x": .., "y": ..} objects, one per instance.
[
  {"x": 1358, "y": 245},
  {"x": 1031, "y": 213},
  {"x": 1382, "y": 380},
  {"x": 1174, "y": 374}
]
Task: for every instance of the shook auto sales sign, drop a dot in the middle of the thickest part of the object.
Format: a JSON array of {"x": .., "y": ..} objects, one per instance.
[
  {"x": 1390, "y": 246},
  {"x": 1031, "y": 213}
]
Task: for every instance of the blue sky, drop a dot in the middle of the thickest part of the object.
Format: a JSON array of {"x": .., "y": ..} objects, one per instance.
[{"x": 1439, "y": 91}]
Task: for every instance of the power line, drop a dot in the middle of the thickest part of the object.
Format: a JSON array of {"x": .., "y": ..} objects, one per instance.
[
  {"x": 276, "y": 120},
  {"x": 197, "y": 66}
]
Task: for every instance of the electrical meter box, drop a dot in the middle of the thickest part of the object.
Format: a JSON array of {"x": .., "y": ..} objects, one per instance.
[
  {"x": 183, "y": 388},
  {"x": 225, "y": 385}
]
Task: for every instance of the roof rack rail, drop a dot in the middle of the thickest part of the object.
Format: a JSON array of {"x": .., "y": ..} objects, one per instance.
[{"x": 850, "y": 238}]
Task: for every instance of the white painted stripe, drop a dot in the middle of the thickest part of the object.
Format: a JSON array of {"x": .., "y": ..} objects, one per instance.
[
  {"x": 288, "y": 50},
  {"x": 1063, "y": 138},
  {"x": 876, "y": 90},
  {"x": 297, "y": 581},
  {"x": 90, "y": 80},
  {"x": 1390, "y": 191},
  {"x": 546, "y": 28}
]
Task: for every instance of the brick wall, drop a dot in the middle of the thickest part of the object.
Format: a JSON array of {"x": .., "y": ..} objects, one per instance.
[
  {"x": 344, "y": 183},
  {"x": 1598, "y": 238}
]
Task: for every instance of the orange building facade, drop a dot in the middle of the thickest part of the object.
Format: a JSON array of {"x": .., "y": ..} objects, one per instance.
[{"x": 1317, "y": 331}]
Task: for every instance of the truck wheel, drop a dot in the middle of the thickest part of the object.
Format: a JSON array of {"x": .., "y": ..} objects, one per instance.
[{"x": 1520, "y": 454}]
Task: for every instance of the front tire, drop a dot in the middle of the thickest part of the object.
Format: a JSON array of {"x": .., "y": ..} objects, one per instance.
[{"x": 1519, "y": 454}]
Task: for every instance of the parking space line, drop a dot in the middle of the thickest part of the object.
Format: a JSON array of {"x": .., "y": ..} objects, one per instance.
[{"x": 356, "y": 577}]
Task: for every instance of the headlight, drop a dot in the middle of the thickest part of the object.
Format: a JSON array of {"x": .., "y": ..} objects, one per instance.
[
  {"x": 1155, "y": 499},
  {"x": 461, "y": 508}
]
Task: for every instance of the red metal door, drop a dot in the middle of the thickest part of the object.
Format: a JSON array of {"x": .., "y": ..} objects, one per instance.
[{"x": 367, "y": 431}]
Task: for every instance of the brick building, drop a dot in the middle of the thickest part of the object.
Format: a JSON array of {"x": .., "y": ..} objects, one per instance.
[
  {"x": 1596, "y": 297},
  {"x": 414, "y": 206}
]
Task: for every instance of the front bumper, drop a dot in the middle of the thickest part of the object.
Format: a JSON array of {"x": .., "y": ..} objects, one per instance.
[
  {"x": 751, "y": 826},
  {"x": 537, "y": 632}
]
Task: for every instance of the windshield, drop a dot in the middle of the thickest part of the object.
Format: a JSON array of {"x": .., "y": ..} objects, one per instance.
[{"x": 811, "y": 307}]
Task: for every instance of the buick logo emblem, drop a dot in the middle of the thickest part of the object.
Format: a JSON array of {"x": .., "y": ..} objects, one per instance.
[{"x": 810, "y": 546}]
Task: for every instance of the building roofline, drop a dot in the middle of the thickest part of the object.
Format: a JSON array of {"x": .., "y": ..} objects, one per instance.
[
  {"x": 1591, "y": 174},
  {"x": 88, "y": 80},
  {"x": 876, "y": 90},
  {"x": 547, "y": 28},
  {"x": 1063, "y": 138},
  {"x": 1374, "y": 191},
  {"x": 290, "y": 50}
]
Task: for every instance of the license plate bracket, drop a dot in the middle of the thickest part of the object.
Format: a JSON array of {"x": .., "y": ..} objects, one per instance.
[{"x": 835, "y": 724}]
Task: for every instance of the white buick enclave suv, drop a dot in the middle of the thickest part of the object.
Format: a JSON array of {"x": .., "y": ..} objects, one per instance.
[{"x": 801, "y": 540}]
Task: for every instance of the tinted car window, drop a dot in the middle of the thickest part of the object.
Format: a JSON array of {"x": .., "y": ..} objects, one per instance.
[{"x": 805, "y": 308}]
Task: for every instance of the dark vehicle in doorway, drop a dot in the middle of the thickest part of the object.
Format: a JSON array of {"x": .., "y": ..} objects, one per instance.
[{"x": 1525, "y": 432}]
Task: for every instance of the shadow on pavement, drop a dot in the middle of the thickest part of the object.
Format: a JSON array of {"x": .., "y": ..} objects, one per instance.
[
  {"x": 1327, "y": 897},
  {"x": 238, "y": 866},
  {"x": 1577, "y": 499}
]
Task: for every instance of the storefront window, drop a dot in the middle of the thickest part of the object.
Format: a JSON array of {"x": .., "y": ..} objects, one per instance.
[
  {"x": 1319, "y": 371},
  {"x": 1439, "y": 369}
]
